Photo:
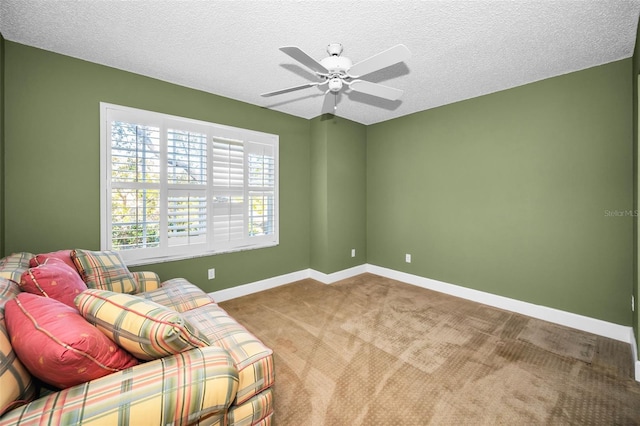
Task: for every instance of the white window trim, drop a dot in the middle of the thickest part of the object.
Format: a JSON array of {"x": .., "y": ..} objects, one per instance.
[{"x": 213, "y": 130}]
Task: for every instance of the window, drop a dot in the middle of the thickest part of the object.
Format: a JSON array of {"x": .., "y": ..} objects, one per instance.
[{"x": 174, "y": 188}]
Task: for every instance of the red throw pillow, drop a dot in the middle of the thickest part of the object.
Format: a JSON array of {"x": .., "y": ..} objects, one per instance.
[
  {"x": 53, "y": 279},
  {"x": 64, "y": 255},
  {"x": 57, "y": 345}
]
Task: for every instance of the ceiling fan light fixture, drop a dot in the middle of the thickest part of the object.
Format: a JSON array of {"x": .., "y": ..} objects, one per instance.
[{"x": 335, "y": 84}]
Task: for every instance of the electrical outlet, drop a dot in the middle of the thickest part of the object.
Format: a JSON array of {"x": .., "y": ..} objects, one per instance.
[
  {"x": 407, "y": 258},
  {"x": 211, "y": 273},
  {"x": 353, "y": 252}
]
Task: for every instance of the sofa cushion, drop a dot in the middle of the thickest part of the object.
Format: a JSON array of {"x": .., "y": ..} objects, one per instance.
[
  {"x": 252, "y": 358},
  {"x": 64, "y": 255},
  {"x": 146, "y": 280},
  {"x": 57, "y": 345},
  {"x": 146, "y": 329},
  {"x": 178, "y": 294},
  {"x": 12, "y": 266},
  {"x": 251, "y": 412},
  {"x": 15, "y": 380},
  {"x": 55, "y": 279},
  {"x": 193, "y": 388},
  {"x": 104, "y": 270}
]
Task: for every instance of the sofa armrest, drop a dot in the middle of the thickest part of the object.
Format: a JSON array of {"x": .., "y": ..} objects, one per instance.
[
  {"x": 178, "y": 389},
  {"x": 146, "y": 280}
]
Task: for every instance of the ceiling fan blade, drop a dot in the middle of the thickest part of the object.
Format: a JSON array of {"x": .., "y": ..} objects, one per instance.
[
  {"x": 300, "y": 56},
  {"x": 383, "y": 59},
  {"x": 376, "y": 89},
  {"x": 289, "y": 89}
]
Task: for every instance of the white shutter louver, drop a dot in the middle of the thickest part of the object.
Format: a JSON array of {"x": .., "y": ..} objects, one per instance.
[
  {"x": 187, "y": 218},
  {"x": 135, "y": 175},
  {"x": 186, "y": 157},
  {"x": 135, "y": 153},
  {"x": 262, "y": 178},
  {"x": 228, "y": 190},
  {"x": 135, "y": 218}
]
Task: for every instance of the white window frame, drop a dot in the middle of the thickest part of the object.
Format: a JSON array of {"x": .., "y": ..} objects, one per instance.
[{"x": 211, "y": 246}]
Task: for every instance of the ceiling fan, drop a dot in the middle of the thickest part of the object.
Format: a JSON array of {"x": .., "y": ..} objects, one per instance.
[{"x": 337, "y": 72}]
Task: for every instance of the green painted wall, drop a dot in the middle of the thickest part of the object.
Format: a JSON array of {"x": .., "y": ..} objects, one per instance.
[
  {"x": 347, "y": 202},
  {"x": 319, "y": 243},
  {"x": 508, "y": 193},
  {"x": 52, "y": 161},
  {"x": 338, "y": 193}
]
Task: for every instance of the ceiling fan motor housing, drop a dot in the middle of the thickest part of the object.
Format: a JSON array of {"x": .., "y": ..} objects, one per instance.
[{"x": 336, "y": 64}]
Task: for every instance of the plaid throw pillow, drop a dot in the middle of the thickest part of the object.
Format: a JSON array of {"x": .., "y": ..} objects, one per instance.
[
  {"x": 146, "y": 280},
  {"x": 16, "y": 383},
  {"x": 8, "y": 290},
  {"x": 144, "y": 328},
  {"x": 12, "y": 266},
  {"x": 104, "y": 270}
]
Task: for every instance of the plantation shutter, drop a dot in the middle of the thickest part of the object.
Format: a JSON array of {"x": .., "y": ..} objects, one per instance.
[
  {"x": 244, "y": 192},
  {"x": 229, "y": 203},
  {"x": 174, "y": 188},
  {"x": 187, "y": 188},
  {"x": 261, "y": 189},
  {"x": 135, "y": 185}
]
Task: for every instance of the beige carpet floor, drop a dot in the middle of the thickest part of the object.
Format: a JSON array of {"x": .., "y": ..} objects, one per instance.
[{"x": 370, "y": 350}]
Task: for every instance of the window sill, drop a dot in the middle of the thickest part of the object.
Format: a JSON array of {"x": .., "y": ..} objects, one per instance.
[{"x": 175, "y": 258}]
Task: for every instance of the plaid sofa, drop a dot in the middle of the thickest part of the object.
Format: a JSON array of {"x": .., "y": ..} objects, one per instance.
[{"x": 228, "y": 382}]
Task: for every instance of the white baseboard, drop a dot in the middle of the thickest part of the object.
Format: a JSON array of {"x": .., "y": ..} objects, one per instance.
[
  {"x": 337, "y": 276},
  {"x": 580, "y": 322},
  {"x": 634, "y": 354},
  {"x": 254, "y": 287},
  {"x": 556, "y": 316}
]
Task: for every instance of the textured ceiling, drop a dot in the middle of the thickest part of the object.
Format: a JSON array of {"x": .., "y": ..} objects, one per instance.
[{"x": 461, "y": 49}]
